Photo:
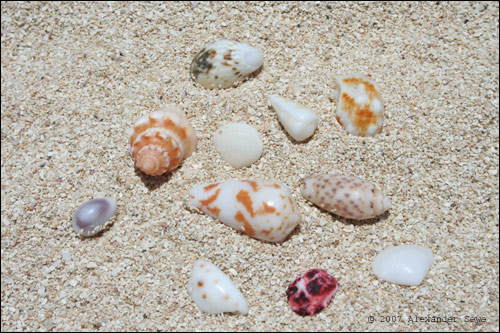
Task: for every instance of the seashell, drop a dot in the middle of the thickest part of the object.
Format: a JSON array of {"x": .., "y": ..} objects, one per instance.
[
  {"x": 224, "y": 63},
  {"x": 260, "y": 209},
  {"x": 213, "y": 291},
  {"x": 91, "y": 216},
  {"x": 160, "y": 141},
  {"x": 359, "y": 106},
  {"x": 238, "y": 144},
  {"x": 311, "y": 292},
  {"x": 347, "y": 196},
  {"x": 404, "y": 264},
  {"x": 298, "y": 121}
]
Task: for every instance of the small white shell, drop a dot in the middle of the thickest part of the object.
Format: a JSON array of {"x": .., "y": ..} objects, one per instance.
[
  {"x": 359, "y": 105},
  {"x": 224, "y": 63},
  {"x": 405, "y": 264},
  {"x": 213, "y": 291},
  {"x": 298, "y": 121},
  {"x": 91, "y": 216},
  {"x": 238, "y": 144}
]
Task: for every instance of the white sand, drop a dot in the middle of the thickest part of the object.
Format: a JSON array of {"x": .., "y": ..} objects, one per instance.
[{"x": 76, "y": 76}]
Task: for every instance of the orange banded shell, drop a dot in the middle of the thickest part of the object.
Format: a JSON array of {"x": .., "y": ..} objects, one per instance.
[{"x": 160, "y": 141}]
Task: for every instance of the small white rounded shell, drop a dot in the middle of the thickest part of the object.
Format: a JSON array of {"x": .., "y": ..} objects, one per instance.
[
  {"x": 238, "y": 144},
  {"x": 297, "y": 120},
  {"x": 91, "y": 216},
  {"x": 213, "y": 291},
  {"x": 224, "y": 63},
  {"x": 405, "y": 264}
]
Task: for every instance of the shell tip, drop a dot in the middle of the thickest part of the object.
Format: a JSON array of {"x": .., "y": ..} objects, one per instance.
[
  {"x": 254, "y": 57},
  {"x": 387, "y": 203},
  {"x": 306, "y": 189}
]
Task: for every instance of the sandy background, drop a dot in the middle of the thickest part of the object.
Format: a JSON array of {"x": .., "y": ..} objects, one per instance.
[{"x": 76, "y": 76}]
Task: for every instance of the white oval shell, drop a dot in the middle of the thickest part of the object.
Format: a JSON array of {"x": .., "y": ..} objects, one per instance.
[
  {"x": 258, "y": 208},
  {"x": 298, "y": 121},
  {"x": 224, "y": 63},
  {"x": 213, "y": 291},
  {"x": 405, "y": 264},
  {"x": 346, "y": 196},
  {"x": 238, "y": 144},
  {"x": 359, "y": 105},
  {"x": 91, "y": 216}
]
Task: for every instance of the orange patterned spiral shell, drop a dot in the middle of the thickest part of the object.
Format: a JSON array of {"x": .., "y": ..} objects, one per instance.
[{"x": 160, "y": 141}]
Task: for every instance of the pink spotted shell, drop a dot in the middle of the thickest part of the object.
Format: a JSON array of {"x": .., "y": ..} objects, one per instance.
[
  {"x": 160, "y": 141},
  {"x": 311, "y": 292}
]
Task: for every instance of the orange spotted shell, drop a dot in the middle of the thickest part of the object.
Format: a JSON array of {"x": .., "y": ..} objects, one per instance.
[{"x": 160, "y": 141}]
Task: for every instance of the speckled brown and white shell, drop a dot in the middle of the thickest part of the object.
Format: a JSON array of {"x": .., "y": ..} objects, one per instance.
[
  {"x": 347, "y": 196},
  {"x": 224, "y": 63},
  {"x": 359, "y": 105},
  {"x": 160, "y": 141},
  {"x": 260, "y": 209}
]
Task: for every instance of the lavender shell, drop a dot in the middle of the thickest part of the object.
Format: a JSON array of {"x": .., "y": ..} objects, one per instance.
[{"x": 91, "y": 217}]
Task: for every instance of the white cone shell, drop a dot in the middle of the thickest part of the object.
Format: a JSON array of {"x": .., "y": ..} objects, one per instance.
[
  {"x": 298, "y": 121},
  {"x": 213, "y": 291},
  {"x": 261, "y": 209},
  {"x": 238, "y": 144},
  {"x": 405, "y": 264}
]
